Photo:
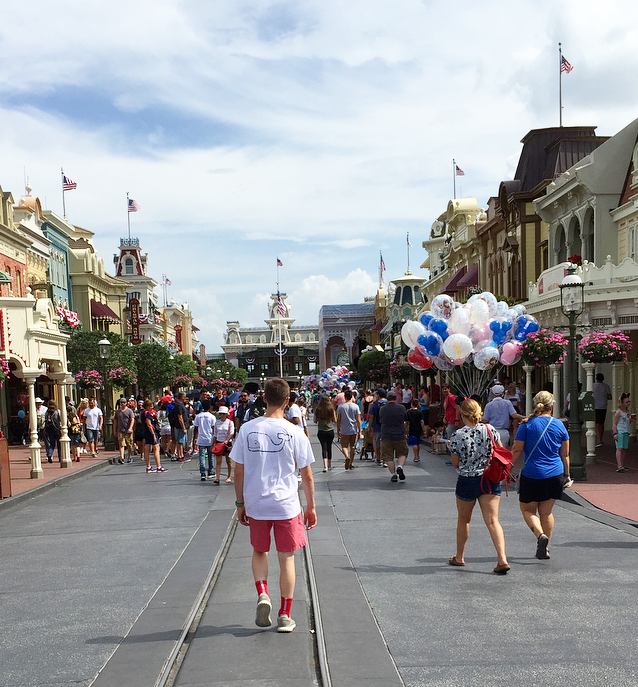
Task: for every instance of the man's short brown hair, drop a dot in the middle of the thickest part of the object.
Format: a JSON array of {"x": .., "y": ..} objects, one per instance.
[{"x": 276, "y": 391}]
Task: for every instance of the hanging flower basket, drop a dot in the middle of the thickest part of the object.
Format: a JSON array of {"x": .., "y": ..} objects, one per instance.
[
  {"x": 89, "y": 379},
  {"x": 605, "y": 347},
  {"x": 200, "y": 383},
  {"x": 121, "y": 377},
  {"x": 575, "y": 259},
  {"x": 183, "y": 380},
  {"x": 4, "y": 371},
  {"x": 544, "y": 348},
  {"x": 400, "y": 370}
]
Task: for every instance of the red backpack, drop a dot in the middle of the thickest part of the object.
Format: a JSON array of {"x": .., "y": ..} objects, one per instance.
[{"x": 498, "y": 465}]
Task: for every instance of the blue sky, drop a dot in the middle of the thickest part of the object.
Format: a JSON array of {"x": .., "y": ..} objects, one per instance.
[{"x": 317, "y": 131}]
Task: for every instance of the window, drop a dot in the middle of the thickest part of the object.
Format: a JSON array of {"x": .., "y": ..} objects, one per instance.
[
  {"x": 299, "y": 368},
  {"x": 312, "y": 367},
  {"x": 134, "y": 294},
  {"x": 249, "y": 339},
  {"x": 631, "y": 244},
  {"x": 297, "y": 337},
  {"x": 264, "y": 367},
  {"x": 250, "y": 367},
  {"x": 311, "y": 337},
  {"x": 262, "y": 338},
  {"x": 18, "y": 284},
  {"x": 128, "y": 266}
]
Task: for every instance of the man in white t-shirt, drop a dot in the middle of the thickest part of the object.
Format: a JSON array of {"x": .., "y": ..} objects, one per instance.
[
  {"x": 203, "y": 439},
  {"x": 293, "y": 412},
  {"x": 267, "y": 452},
  {"x": 406, "y": 396},
  {"x": 602, "y": 396},
  {"x": 93, "y": 419}
]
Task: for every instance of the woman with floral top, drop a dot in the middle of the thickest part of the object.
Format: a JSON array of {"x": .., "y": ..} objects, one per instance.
[{"x": 471, "y": 447}]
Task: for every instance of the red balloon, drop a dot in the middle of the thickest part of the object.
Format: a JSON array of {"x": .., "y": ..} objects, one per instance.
[{"x": 419, "y": 361}]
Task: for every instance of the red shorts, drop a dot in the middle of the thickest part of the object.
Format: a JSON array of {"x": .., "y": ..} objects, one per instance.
[{"x": 290, "y": 535}]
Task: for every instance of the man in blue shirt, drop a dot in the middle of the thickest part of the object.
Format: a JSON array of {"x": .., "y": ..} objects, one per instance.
[
  {"x": 498, "y": 413},
  {"x": 373, "y": 419}
]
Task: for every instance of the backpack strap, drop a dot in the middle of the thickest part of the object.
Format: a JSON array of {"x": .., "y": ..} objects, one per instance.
[{"x": 536, "y": 444}]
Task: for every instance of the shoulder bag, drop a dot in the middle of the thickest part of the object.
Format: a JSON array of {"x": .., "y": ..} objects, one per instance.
[
  {"x": 497, "y": 467},
  {"x": 219, "y": 447}
]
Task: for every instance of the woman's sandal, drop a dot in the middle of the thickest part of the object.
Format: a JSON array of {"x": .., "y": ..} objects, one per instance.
[
  {"x": 452, "y": 561},
  {"x": 541, "y": 548},
  {"x": 502, "y": 569}
]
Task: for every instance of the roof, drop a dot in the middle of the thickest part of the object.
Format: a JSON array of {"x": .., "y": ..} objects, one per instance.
[{"x": 350, "y": 309}]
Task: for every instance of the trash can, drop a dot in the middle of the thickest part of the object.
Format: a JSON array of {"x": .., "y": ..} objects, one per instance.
[{"x": 5, "y": 469}]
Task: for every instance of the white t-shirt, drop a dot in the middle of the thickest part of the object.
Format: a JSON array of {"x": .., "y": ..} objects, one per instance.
[
  {"x": 271, "y": 450},
  {"x": 223, "y": 430},
  {"x": 294, "y": 411},
  {"x": 204, "y": 423},
  {"x": 92, "y": 417},
  {"x": 407, "y": 395}
]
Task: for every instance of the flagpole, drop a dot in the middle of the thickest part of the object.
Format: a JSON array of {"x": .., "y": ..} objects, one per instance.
[
  {"x": 407, "y": 238},
  {"x": 560, "y": 86},
  {"x": 454, "y": 177},
  {"x": 281, "y": 358},
  {"x": 380, "y": 272},
  {"x": 63, "y": 201},
  {"x": 128, "y": 216}
]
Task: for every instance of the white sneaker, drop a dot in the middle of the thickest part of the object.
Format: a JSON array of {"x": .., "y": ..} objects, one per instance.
[
  {"x": 262, "y": 618},
  {"x": 285, "y": 624}
]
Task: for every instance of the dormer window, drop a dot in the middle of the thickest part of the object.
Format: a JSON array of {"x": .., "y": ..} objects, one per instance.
[{"x": 129, "y": 266}]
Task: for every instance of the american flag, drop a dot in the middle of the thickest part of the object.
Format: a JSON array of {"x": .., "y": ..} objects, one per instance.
[
  {"x": 382, "y": 267},
  {"x": 133, "y": 205},
  {"x": 279, "y": 263},
  {"x": 166, "y": 282},
  {"x": 281, "y": 308},
  {"x": 459, "y": 171},
  {"x": 408, "y": 240},
  {"x": 68, "y": 184},
  {"x": 564, "y": 65}
]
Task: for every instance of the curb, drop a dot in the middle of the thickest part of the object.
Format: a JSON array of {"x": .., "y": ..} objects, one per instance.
[
  {"x": 42, "y": 488},
  {"x": 578, "y": 503}
]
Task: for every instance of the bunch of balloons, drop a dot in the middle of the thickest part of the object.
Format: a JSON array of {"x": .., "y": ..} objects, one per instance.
[
  {"x": 332, "y": 378},
  {"x": 484, "y": 331}
]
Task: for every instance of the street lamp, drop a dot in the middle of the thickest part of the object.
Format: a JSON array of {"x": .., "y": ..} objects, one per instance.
[
  {"x": 572, "y": 303},
  {"x": 104, "y": 347},
  {"x": 263, "y": 380}
]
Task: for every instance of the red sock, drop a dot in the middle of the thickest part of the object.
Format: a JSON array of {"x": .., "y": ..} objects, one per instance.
[
  {"x": 286, "y": 605},
  {"x": 262, "y": 586}
]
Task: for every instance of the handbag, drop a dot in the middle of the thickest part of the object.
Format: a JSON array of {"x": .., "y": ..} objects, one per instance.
[{"x": 497, "y": 467}]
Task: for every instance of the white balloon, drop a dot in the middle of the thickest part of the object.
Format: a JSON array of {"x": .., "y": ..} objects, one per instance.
[
  {"x": 480, "y": 313},
  {"x": 457, "y": 346},
  {"x": 410, "y": 332},
  {"x": 459, "y": 322}
]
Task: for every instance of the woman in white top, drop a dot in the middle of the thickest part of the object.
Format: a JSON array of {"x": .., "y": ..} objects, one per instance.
[
  {"x": 223, "y": 432},
  {"x": 513, "y": 397}
]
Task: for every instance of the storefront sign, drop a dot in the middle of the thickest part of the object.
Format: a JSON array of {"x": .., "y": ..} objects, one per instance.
[{"x": 134, "y": 308}]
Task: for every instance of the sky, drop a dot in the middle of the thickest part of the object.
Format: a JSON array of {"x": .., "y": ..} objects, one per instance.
[{"x": 317, "y": 131}]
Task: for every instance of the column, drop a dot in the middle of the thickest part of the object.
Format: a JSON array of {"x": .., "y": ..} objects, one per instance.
[
  {"x": 528, "y": 389},
  {"x": 632, "y": 381},
  {"x": 65, "y": 442},
  {"x": 590, "y": 425},
  {"x": 616, "y": 373},
  {"x": 34, "y": 446},
  {"x": 556, "y": 411}
]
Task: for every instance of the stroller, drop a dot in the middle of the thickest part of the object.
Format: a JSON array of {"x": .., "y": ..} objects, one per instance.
[{"x": 364, "y": 444}]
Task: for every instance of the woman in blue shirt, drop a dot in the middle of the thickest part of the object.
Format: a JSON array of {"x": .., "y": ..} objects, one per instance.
[{"x": 544, "y": 441}]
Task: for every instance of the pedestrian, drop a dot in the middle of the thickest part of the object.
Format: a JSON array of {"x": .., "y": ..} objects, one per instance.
[
  {"x": 40, "y": 412},
  {"x": 75, "y": 434},
  {"x": 471, "y": 447},
  {"x": 498, "y": 413},
  {"x": 203, "y": 440},
  {"x": 340, "y": 397},
  {"x": 449, "y": 411},
  {"x": 602, "y": 396},
  {"x": 621, "y": 432},
  {"x": 219, "y": 399},
  {"x": 52, "y": 429},
  {"x": 267, "y": 453},
  {"x": 165, "y": 429},
  {"x": 407, "y": 397},
  {"x": 82, "y": 406},
  {"x": 242, "y": 408},
  {"x": 124, "y": 426},
  {"x": 348, "y": 427},
  {"x": 293, "y": 412},
  {"x": 151, "y": 438},
  {"x": 223, "y": 432},
  {"x": 138, "y": 410},
  {"x": 544, "y": 442},
  {"x": 178, "y": 417},
  {"x": 374, "y": 425},
  {"x": 393, "y": 419},
  {"x": 93, "y": 420},
  {"x": 416, "y": 428},
  {"x": 325, "y": 417},
  {"x": 301, "y": 402},
  {"x": 424, "y": 406},
  {"x": 512, "y": 395}
]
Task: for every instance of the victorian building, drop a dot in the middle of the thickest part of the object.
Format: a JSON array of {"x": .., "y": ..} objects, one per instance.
[
  {"x": 345, "y": 331},
  {"x": 177, "y": 328},
  {"x": 258, "y": 349}
]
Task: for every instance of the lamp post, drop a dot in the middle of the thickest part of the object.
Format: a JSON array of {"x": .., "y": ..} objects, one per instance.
[
  {"x": 263, "y": 381},
  {"x": 104, "y": 346},
  {"x": 572, "y": 303}
]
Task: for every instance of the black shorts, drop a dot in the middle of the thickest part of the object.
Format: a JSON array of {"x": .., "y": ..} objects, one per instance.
[
  {"x": 426, "y": 416},
  {"x": 540, "y": 489},
  {"x": 601, "y": 414}
]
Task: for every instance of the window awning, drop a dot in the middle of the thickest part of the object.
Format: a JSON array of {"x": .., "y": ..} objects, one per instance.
[
  {"x": 5, "y": 278},
  {"x": 452, "y": 286},
  {"x": 101, "y": 311},
  {"x": 470, "y": 279}
]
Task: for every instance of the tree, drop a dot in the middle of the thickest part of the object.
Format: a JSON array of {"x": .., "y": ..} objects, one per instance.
[
  {"x": 83, "y": 352},
  {"x": 155, "y": 369},
  {"x": 373, "y": 366},
  {"x": 219, "y": 368},
  {"x": 184, "y": 365}
]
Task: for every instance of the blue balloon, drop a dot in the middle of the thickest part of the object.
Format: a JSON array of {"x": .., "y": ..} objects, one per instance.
[
  {"x": 439, "y": 327},
  {"x": 425, "y": 318},
  {"x": 500, "y": 328},
  {"x": 431, "y": 342}
]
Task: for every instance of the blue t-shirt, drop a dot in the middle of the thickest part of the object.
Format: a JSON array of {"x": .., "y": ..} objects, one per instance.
[{"x": 546, "y": 461}]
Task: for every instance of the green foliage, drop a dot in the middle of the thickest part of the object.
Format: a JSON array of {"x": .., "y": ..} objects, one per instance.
[
  {"x": 373, "y": 366},
  {"x": 83, "y": 352},
  {"x": 155, "y": 369},
  {"x": 219, "y": 368},
  {"x": 184, "y": 365}
]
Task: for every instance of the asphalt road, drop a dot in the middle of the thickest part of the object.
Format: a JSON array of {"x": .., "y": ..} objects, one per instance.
[{"x": 96, "y": 575}]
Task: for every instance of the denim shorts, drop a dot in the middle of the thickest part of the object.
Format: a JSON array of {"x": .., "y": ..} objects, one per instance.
[
  {"x": 92, "y": 434},
  {"x": 181, "y": 436},
  {"x": 469, "y": 488}
]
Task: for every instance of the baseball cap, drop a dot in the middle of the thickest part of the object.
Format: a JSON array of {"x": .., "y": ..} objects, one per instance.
[{"x": 498, "y": 389}]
